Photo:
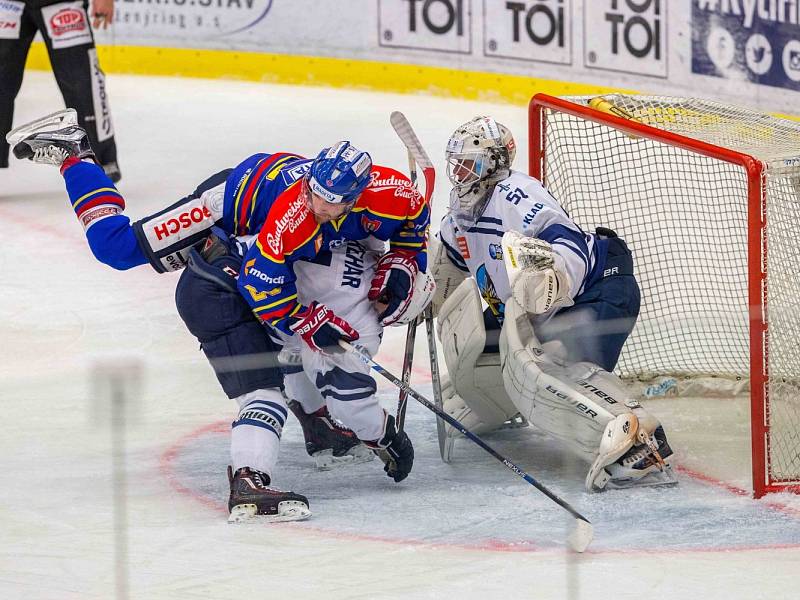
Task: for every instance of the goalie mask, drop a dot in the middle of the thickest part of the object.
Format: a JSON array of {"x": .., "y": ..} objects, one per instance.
[{"x": 479, "y": 154}]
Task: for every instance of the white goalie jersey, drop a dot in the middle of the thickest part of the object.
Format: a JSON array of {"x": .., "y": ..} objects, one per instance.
[{"x": 519, "y": 203}]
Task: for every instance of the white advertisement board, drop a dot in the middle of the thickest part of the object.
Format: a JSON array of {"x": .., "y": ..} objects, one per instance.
[{"x": 738, "y": 50}]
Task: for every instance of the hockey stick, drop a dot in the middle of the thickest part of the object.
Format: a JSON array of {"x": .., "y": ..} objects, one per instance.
[
  {"x": 581, "y": 536},
  {"x": 408, "y": 357},
  {"x": 445, "y": 445},
  {"x": 416, "y": 156}
]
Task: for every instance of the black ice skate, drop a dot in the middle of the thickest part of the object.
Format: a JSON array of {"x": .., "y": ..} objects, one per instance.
[
  {"x": 644, "y": 465},
  {"x": 330, "y": 444},
  {"x": 251, "y": 497},
  {"x": 51, "y": 140}
]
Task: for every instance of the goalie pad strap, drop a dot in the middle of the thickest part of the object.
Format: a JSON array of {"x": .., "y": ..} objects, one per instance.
[{"x": 447, "y": 274}]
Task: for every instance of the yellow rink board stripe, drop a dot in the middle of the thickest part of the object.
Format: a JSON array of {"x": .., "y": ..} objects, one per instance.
[{"x": 323, "y": 71}]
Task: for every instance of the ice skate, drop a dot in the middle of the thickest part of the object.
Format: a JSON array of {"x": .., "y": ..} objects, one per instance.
[
  {"x": 251, "y": 497},
  {"x": 51, "y": 140},
  {"x": 329, "y": 443},
  {"x": 644, "y": 465}
]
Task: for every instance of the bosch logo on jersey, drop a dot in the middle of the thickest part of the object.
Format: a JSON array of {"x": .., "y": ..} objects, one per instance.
[
  {"x": 185, "y": 220},
  {"x": 67, "y": 20},
  {"x": 251, "y": 271}
]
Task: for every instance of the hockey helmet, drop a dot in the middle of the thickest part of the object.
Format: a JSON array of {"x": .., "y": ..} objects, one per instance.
[
  {"x": 340, "y": 173},
  {"x": 479, "y": 154}
]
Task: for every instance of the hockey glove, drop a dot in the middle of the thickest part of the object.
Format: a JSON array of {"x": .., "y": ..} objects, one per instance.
[
  {"x": 395, "y": 450},
  {"x": 393, "y": 284},
  {"x": 322, "y": 330},
  {"x": 537, "y": 275}
]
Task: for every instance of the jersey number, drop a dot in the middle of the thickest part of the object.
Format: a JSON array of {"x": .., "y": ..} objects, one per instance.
[{"x": 516, "y": 196}]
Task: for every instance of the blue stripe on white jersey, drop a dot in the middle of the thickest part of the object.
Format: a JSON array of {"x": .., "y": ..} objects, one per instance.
[
  {"x": 453, "y": 255},
  {"x": 520, "y": 203}
]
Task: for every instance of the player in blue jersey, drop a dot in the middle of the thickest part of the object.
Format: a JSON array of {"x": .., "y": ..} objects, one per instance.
[
  {"x": 562, "y": 302},
  {"x": 241, "y": 233}
]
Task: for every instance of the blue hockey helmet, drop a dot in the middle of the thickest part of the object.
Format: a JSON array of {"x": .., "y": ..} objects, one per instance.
[{"x": 340, "y": 173}]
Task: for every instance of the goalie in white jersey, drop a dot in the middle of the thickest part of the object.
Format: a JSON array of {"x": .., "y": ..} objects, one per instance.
[{"x": 561, "y": 303}]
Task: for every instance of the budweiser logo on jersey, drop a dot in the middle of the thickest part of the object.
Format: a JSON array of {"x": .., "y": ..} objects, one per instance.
[
  {"x": 401, "y": 186},
  {"x": 184, "y": 220},
  {"x": 68, "y": 20},
  {"x": 289, "y": 221},
  {"x": 371, "y": 225}
]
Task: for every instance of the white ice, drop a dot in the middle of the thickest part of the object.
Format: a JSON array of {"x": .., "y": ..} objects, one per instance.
[{"x": 466, "y": 530}]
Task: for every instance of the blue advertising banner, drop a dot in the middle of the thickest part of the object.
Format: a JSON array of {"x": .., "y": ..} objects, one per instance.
[{"x": 747, "y": 40}]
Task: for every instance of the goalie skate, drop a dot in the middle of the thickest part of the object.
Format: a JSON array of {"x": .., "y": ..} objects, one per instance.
[
  {"x": 51, "y": 140},
  {"x": 642, "y": 466},
  {"x": 252, "y": 498},
  {"x": 329, "y": 443}
]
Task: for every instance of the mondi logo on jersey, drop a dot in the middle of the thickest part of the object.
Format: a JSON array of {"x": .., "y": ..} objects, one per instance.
[{"x": 251, "y": 271}]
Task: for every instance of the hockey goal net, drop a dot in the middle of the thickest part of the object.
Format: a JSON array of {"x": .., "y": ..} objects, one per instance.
[{"x": 708, "y": 198}]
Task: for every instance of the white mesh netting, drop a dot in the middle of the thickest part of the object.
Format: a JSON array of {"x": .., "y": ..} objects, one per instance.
[{"x": 685, "y": 216}]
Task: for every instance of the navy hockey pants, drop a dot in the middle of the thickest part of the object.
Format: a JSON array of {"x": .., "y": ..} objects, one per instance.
[
  {"x": 595, "y": 328},
  {"x": 243, "y": 355}
]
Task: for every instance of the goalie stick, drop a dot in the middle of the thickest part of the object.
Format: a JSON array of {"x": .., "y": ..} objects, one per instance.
[
  {"x": 581, "y": 536},
  {"x": 416, "y": 156}
]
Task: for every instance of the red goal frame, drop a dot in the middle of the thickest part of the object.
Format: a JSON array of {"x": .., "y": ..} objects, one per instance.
[{"x": 756, "y": 253}]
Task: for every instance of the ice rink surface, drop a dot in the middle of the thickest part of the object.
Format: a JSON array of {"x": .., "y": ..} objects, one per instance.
[{"x": 465, "y": 530}]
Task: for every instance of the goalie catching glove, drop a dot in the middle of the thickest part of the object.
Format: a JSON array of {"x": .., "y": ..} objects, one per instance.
[
  {"x": 537, "y": 275},
  {"x": 321, "y": 329},
  {"x": 400, "y": 285}
]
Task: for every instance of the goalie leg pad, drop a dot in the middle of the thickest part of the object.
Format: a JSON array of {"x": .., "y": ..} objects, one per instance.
[
  {"x": 446, "y": 274},
  {"x": 475, "y": 378}
]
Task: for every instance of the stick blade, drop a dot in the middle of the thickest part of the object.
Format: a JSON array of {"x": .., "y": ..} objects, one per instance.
[
  {"x": 581, "y": 536},
  {"x": 406, "y": 133}
]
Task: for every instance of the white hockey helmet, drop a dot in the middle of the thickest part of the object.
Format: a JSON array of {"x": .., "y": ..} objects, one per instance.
[{"x": 479, "y": 154}]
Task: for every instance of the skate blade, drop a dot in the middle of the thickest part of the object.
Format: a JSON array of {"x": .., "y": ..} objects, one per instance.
[
  {"x": 326, "y": 461},
  {"x": 515, "y": 422},
  {"x": 53, "y": 121},
  {"x": 665, "y": 478},
  {"x": 289, "y": 510}
]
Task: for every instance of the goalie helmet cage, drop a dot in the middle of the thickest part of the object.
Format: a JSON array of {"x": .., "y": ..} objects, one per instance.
[{"x": 708, "y": 197}]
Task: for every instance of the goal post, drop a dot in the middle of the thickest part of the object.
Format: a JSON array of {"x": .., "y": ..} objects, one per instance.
[{"x": 708, "y": 197}]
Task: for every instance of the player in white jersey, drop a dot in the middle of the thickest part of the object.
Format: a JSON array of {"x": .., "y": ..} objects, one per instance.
[
  {"x": 340, "y": 279},
  {"x": 561, "y": 303},
  {"x": 333, "y": 382}
]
